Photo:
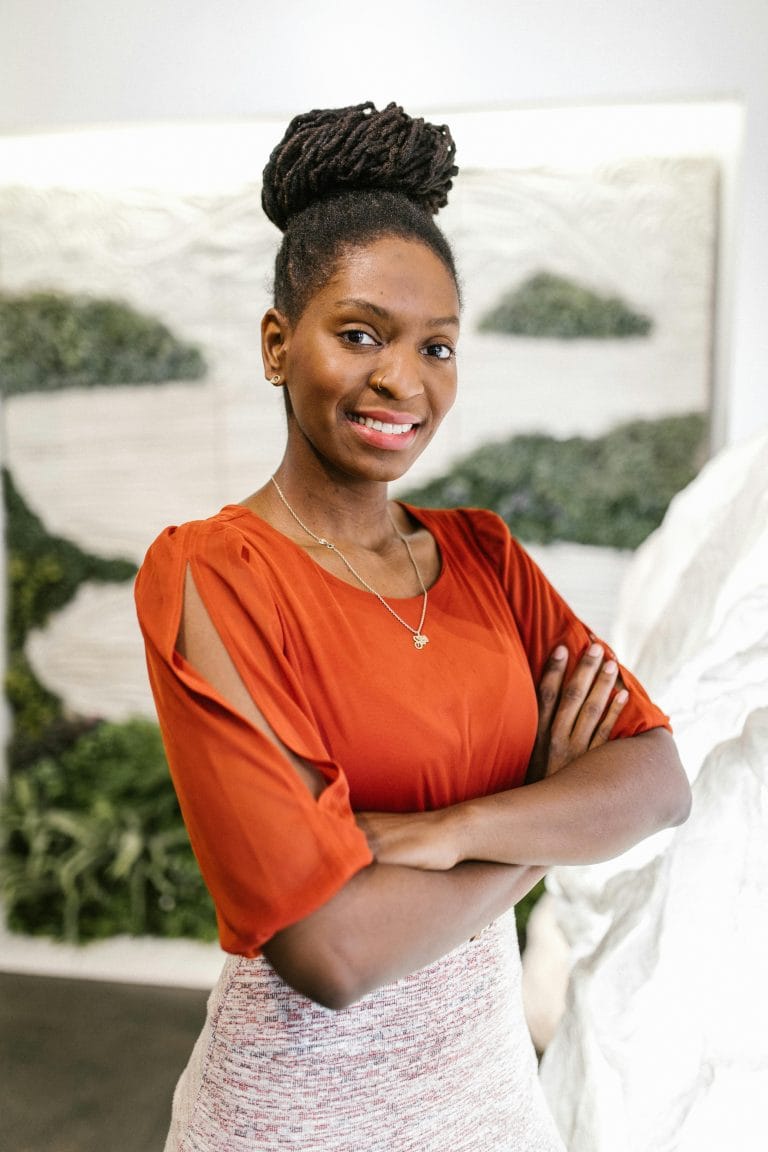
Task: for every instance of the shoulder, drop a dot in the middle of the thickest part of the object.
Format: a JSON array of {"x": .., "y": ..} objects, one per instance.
[
  {"x": 476, "y": 528},
  {"x": 457, "y": 521},
  {"x": 220, "y": 551},
  {"x": 226, "y": 536},
  {"x": 178, "y": 544},
  {"x": 484, "y": 536}
]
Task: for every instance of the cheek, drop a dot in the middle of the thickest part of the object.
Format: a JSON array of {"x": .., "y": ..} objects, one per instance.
[
  {"x": 318, "y": 371},
  {"x": 316, "y": 391},
  {"x": 448, "y": 397}
]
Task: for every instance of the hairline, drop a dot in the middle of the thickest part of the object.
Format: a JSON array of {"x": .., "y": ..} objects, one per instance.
[{"x": 360, "y": 238}]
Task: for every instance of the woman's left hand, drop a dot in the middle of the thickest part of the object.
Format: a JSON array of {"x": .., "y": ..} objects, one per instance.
[
  {"x": 576, "y": 714},
  {"x": 412, "y": 839}
]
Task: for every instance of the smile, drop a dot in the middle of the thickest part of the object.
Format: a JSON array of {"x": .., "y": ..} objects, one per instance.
[{"x": 381, "y": 426}]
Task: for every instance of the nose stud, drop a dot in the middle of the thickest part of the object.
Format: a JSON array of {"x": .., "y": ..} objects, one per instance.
[{"x": 378, "y": 385}]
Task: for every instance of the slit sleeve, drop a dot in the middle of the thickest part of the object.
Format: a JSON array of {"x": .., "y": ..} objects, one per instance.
[{"x": 269, "y": 852}]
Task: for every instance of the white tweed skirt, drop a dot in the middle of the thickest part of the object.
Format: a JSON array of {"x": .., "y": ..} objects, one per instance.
[{"x": 438, "y": 1062}]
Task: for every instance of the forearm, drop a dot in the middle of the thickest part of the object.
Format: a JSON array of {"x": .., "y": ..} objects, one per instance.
[
  {"x": 594, "y": 808},
  {"x": 389, "y": 921}
]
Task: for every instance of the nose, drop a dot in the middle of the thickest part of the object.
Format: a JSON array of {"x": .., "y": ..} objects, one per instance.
[{"x": 399, "y": 377}]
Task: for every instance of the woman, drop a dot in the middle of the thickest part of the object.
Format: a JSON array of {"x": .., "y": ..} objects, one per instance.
[{"x": 346, "y": 691}]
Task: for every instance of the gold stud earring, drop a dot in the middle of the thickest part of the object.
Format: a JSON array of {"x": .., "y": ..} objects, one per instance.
[{"x": 276, "y": 380}]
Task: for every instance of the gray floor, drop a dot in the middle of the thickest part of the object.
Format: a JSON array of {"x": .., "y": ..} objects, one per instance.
[{"x": 90, "y": 1067}]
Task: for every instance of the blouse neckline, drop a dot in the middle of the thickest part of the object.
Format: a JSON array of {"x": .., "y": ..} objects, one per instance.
[{"x": 242, "y": 511}]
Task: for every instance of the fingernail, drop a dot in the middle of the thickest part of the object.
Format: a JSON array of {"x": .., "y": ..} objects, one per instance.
[
  {"x": 560, "y": 652},
  {"x": 610, "y": 667},
  {"x": 595, "y": 650},
  {"x": 622, "y": 697}
]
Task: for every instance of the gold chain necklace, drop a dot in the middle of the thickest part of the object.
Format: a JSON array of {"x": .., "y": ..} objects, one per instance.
[{"x": 419, "y": 639}]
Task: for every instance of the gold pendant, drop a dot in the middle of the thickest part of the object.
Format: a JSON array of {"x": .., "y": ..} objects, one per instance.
[{"x": 419, "y": 640}]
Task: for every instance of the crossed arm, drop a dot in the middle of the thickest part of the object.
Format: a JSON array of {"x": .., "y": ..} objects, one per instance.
[
  {"x": 586, "y": 798},
  {"x": 440, "y": 878}
]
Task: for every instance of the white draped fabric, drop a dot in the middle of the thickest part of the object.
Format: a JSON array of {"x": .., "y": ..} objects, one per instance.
[{"x": 664, "y": 1043}]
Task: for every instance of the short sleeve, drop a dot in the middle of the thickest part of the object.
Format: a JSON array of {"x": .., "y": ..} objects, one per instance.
[
  {"x": 545, "y": 620},
  {"x": 270, "y": 853}
]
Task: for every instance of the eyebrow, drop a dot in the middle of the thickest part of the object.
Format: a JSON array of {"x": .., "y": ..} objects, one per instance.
[{"x": 377, "y": 310}]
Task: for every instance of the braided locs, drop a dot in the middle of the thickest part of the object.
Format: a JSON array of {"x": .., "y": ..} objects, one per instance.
[
  {"x": 343, "y": 177},
  {"x": 342, "y": 149}
]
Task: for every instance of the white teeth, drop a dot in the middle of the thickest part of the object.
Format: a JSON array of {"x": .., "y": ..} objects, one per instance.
[{"x": 380, "y": 426}]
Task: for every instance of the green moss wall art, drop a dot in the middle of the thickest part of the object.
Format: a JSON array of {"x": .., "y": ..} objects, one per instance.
[
  {"x": 552, "y": 306},
  {"x": 609, "y": 491},
  {"x": 93, "y": 844},
  {"x": 49, "y": 341}
]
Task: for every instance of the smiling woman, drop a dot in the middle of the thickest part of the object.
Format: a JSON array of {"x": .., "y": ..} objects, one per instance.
[
  {"x": 369, "y": 366},
  {"x": 382, "y": 722}
]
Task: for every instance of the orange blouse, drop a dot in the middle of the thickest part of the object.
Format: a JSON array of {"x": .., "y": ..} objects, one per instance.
[{"x": 340, "y": 682}]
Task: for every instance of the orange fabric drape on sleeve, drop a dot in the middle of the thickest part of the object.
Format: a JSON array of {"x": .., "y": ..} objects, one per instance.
[{"x": 269, "y": 852}]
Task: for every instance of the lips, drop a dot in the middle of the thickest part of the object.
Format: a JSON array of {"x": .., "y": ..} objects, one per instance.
[
  {"x": 381, "y": 425},
  {"x": 388, "y": 430}
]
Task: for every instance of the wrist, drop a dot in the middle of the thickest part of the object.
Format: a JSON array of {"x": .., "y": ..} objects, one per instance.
[{"x": 460, "y": 820}]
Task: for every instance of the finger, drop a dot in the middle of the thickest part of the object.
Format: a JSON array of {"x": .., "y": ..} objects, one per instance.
[
  {"x": 606, "y": 725},
  {"x": 595, "y": 704},
  {"x": 550, "y": 685},
  {"x": 577, "y": 688}
]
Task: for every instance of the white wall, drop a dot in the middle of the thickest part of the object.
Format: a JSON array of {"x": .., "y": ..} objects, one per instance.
[{"x": 70, "y": 62}]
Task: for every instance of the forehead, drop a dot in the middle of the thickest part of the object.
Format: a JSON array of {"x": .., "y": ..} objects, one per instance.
[{"x": 394, "y": 273}]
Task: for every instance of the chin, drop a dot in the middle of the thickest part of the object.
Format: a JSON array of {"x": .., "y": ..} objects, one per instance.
[{"x": 384, "y": 475}]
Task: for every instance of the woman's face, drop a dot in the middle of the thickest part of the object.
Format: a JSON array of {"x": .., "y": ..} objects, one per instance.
[{"x": 370, "y": 364}]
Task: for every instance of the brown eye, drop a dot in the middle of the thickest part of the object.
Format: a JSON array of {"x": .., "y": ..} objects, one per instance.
[
  {"x": 439, "y": 351},
  {"x": 358, "y": 336}
]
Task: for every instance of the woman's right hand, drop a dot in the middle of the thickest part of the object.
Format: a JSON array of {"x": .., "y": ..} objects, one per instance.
[
  {"x": 575, "y": 714},
  {"x": 426, "y": 840}
]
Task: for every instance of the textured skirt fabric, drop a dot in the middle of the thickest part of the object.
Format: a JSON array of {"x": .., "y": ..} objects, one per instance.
[{"x": 440, "y": 1060}]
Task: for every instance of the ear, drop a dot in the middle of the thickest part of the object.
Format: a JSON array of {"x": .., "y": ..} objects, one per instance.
[{"x": 275, "y": 333}]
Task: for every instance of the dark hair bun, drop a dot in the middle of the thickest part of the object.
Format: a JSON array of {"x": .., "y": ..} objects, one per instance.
[{"x": 357, "y": 149}]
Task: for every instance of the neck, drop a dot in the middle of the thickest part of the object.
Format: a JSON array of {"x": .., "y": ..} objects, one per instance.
[{"x": 337, "y": 507}]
